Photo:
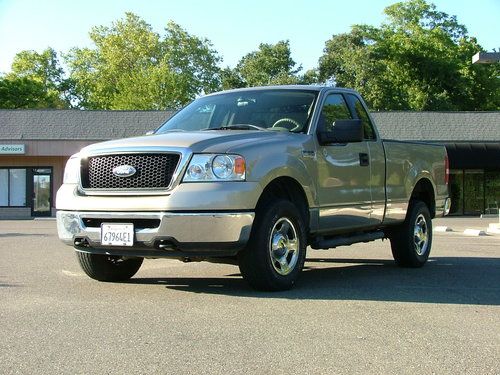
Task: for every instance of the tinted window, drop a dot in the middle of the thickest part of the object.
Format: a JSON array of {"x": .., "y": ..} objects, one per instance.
[
  {"x": 334, "y": 108},
  {"x": 360, "y": 112}
]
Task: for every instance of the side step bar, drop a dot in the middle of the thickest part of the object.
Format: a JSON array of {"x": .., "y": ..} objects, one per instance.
[{"x": 331, "y": 242}]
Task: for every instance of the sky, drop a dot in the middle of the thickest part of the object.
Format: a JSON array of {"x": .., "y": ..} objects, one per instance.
[{"x": 235, "y": 27}]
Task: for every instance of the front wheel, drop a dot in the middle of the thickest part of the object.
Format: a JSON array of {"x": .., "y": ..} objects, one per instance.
[
  {"x": 411, "y": 241},
  {"x": 275, "y": 254},
  {"x": 108, "y": 267}
]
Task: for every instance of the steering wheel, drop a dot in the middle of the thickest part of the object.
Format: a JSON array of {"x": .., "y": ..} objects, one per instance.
[{"x": 296, "y": 125}]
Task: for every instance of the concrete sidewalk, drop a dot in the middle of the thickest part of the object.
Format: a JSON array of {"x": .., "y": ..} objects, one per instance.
[{"x": 460, "y": 224}]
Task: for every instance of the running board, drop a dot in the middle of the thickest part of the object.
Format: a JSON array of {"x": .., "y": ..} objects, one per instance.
[{"x": 329, "y": 243}]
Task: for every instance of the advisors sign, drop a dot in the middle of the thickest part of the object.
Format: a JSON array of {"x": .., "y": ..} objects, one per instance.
[{"x": 12, "y": 149}]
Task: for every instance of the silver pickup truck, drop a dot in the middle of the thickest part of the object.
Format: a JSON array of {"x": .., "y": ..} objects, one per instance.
[{"x": 252, "y": 176}]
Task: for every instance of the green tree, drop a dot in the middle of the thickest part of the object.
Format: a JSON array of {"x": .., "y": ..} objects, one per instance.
[
  {"x": 16, "y": 93},
  {"x": 271, "y": 64},
  {"x": 310, "y": 77},
  {"x": 231, "y": 79},
  {"x": 132, "y": 67},
  {"x": 420, "y": 59},
  {"x": 36, "y": 80}
]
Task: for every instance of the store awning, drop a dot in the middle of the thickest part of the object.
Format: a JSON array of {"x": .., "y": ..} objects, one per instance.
[{"x": 480, "y": 155}]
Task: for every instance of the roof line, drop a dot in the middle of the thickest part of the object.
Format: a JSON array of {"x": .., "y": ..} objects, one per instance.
[{"x": 83, "y": 110}]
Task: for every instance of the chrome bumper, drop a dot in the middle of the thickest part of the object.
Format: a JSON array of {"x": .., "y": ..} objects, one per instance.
[
  {"x": 443, "y": 207},
  {"x": 174, "y": 232}
]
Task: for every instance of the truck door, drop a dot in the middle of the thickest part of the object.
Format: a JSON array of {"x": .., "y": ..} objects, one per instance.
[
  {"x": 343, "y": 174},
  {"x": 377, "y": 157}
]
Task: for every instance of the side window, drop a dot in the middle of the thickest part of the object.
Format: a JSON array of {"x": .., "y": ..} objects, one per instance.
[
  {"x": 360, "y": 111},
  {"x": 334, "y": 108}
]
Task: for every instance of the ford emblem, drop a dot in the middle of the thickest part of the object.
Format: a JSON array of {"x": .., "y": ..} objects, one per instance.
[{"x": 124, "y": 171}]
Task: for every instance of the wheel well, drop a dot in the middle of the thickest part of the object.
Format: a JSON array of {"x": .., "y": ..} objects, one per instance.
[
  {"x": 425, "y": 192},
  {"x": 289, "y": 189}
]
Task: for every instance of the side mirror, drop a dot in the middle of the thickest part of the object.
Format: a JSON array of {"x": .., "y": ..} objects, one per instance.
[{"x": 343, "y": 131}]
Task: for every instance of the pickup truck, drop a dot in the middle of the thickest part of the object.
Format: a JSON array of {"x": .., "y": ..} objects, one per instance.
[{"x": 252, "y": 176}]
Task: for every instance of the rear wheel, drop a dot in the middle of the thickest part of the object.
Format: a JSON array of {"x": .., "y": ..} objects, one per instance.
[
  {"x": 108, "y": 267},
  {"x": 275, "y": 254},
  {"x": 411, "y": 241}
]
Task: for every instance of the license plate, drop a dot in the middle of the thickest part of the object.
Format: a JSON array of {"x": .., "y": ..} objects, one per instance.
[{"x": 117, "y": 234}]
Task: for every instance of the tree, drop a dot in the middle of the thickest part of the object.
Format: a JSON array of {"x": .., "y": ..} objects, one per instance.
[
  {"x": 132, "y": 67},
  {"x": 231, "y": 79},
  {"x": 419, "y": 59},
  {"x": 271, "y": 64},
  {"x": 18, "y": 93},
  {"x": 36, "y": 80}
]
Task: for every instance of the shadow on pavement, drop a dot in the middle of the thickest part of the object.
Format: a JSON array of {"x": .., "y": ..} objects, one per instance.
[
  {"x": 23, "y": 234},
  {"x": 443, "y": 280}
]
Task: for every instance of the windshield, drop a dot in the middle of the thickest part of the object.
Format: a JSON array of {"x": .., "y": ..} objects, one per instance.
[{"x": 284, "y": 110}]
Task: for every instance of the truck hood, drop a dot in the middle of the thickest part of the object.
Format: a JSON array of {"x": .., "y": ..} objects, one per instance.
[{"x": 199, "y": 141}]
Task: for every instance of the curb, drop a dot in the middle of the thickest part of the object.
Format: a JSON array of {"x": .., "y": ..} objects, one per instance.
[
  {"x": 442, "y": 229},
  {"x": 474, "y": 232},
  {"x": 494, "y": 228}
]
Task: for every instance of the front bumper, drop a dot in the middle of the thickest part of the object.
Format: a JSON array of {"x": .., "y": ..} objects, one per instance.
[{"x": 160, "y": 234}]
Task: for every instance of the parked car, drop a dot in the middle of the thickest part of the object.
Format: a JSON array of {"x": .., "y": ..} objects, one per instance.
[{"x": 252, "y": 176}]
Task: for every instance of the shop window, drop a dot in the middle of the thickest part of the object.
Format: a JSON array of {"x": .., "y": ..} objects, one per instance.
[
  {"x": 4, "y": 187},
  {"x": 492, "y": 192},
  {"x": 473, "y": 192},
  {"x": 13, "y": 187},
  {"x": 17, "y": 187},
  {"x": 457, "y": 192}
]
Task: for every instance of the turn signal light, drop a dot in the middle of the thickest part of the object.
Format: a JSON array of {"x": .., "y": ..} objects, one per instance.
[{"x": 239, "y": 166}]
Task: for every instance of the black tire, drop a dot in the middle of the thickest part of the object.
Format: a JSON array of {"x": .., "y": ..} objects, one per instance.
[
  {"x": 108, "y": 267},
  {"x": 411, "y": 241},
  {"x": 275, "y": 254}
]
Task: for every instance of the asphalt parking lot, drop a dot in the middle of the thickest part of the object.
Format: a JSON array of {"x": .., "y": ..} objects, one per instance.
[{"x": 353, "y": 311}]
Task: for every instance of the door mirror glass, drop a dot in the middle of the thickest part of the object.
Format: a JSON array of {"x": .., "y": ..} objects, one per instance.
[{"x": 343, "y": 131}]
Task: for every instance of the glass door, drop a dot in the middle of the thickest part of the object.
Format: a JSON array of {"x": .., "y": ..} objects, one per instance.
[{"x": 42, "y": 192}]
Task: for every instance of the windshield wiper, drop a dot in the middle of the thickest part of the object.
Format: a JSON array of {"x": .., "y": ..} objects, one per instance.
[{"x": 238, "y": 127}]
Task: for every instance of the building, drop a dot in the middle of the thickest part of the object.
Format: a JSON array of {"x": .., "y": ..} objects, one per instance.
[{"x": 35, "y": 144}]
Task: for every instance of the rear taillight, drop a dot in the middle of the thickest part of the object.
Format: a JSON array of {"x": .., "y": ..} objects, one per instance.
[{"x": 446, "y": 170}]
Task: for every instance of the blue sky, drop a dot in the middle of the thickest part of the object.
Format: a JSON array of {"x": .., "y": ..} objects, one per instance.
[{"x": 235, "y": 27}]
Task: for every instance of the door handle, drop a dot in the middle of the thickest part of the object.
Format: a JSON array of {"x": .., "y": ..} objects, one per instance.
[{"x": 364, "y": 159}]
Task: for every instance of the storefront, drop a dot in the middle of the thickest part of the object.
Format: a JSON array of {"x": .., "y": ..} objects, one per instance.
[
  {"x": 19, "y": 184},
  {"x": 474, "y": 192},
  {"x": 27, "y": 181},
  {"x": 474, "y": 178},
  {"x": 35, "y": 145}
]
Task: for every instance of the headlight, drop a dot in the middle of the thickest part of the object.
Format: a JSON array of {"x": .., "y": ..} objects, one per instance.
[
  {"x": 72, "y": 170},
  {"x": 210, "y": 167}
]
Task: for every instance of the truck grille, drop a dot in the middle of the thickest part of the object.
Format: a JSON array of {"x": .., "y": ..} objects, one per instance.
[{"x": 153, "y": 171}]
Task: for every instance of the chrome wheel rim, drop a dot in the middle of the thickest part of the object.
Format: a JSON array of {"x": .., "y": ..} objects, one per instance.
[
  {"x": 421, "y": 235},
  {"x": 284, "y": 247}
]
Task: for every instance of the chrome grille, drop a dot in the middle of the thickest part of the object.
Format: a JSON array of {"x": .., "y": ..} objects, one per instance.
[{"x": 153, "y": 171}]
